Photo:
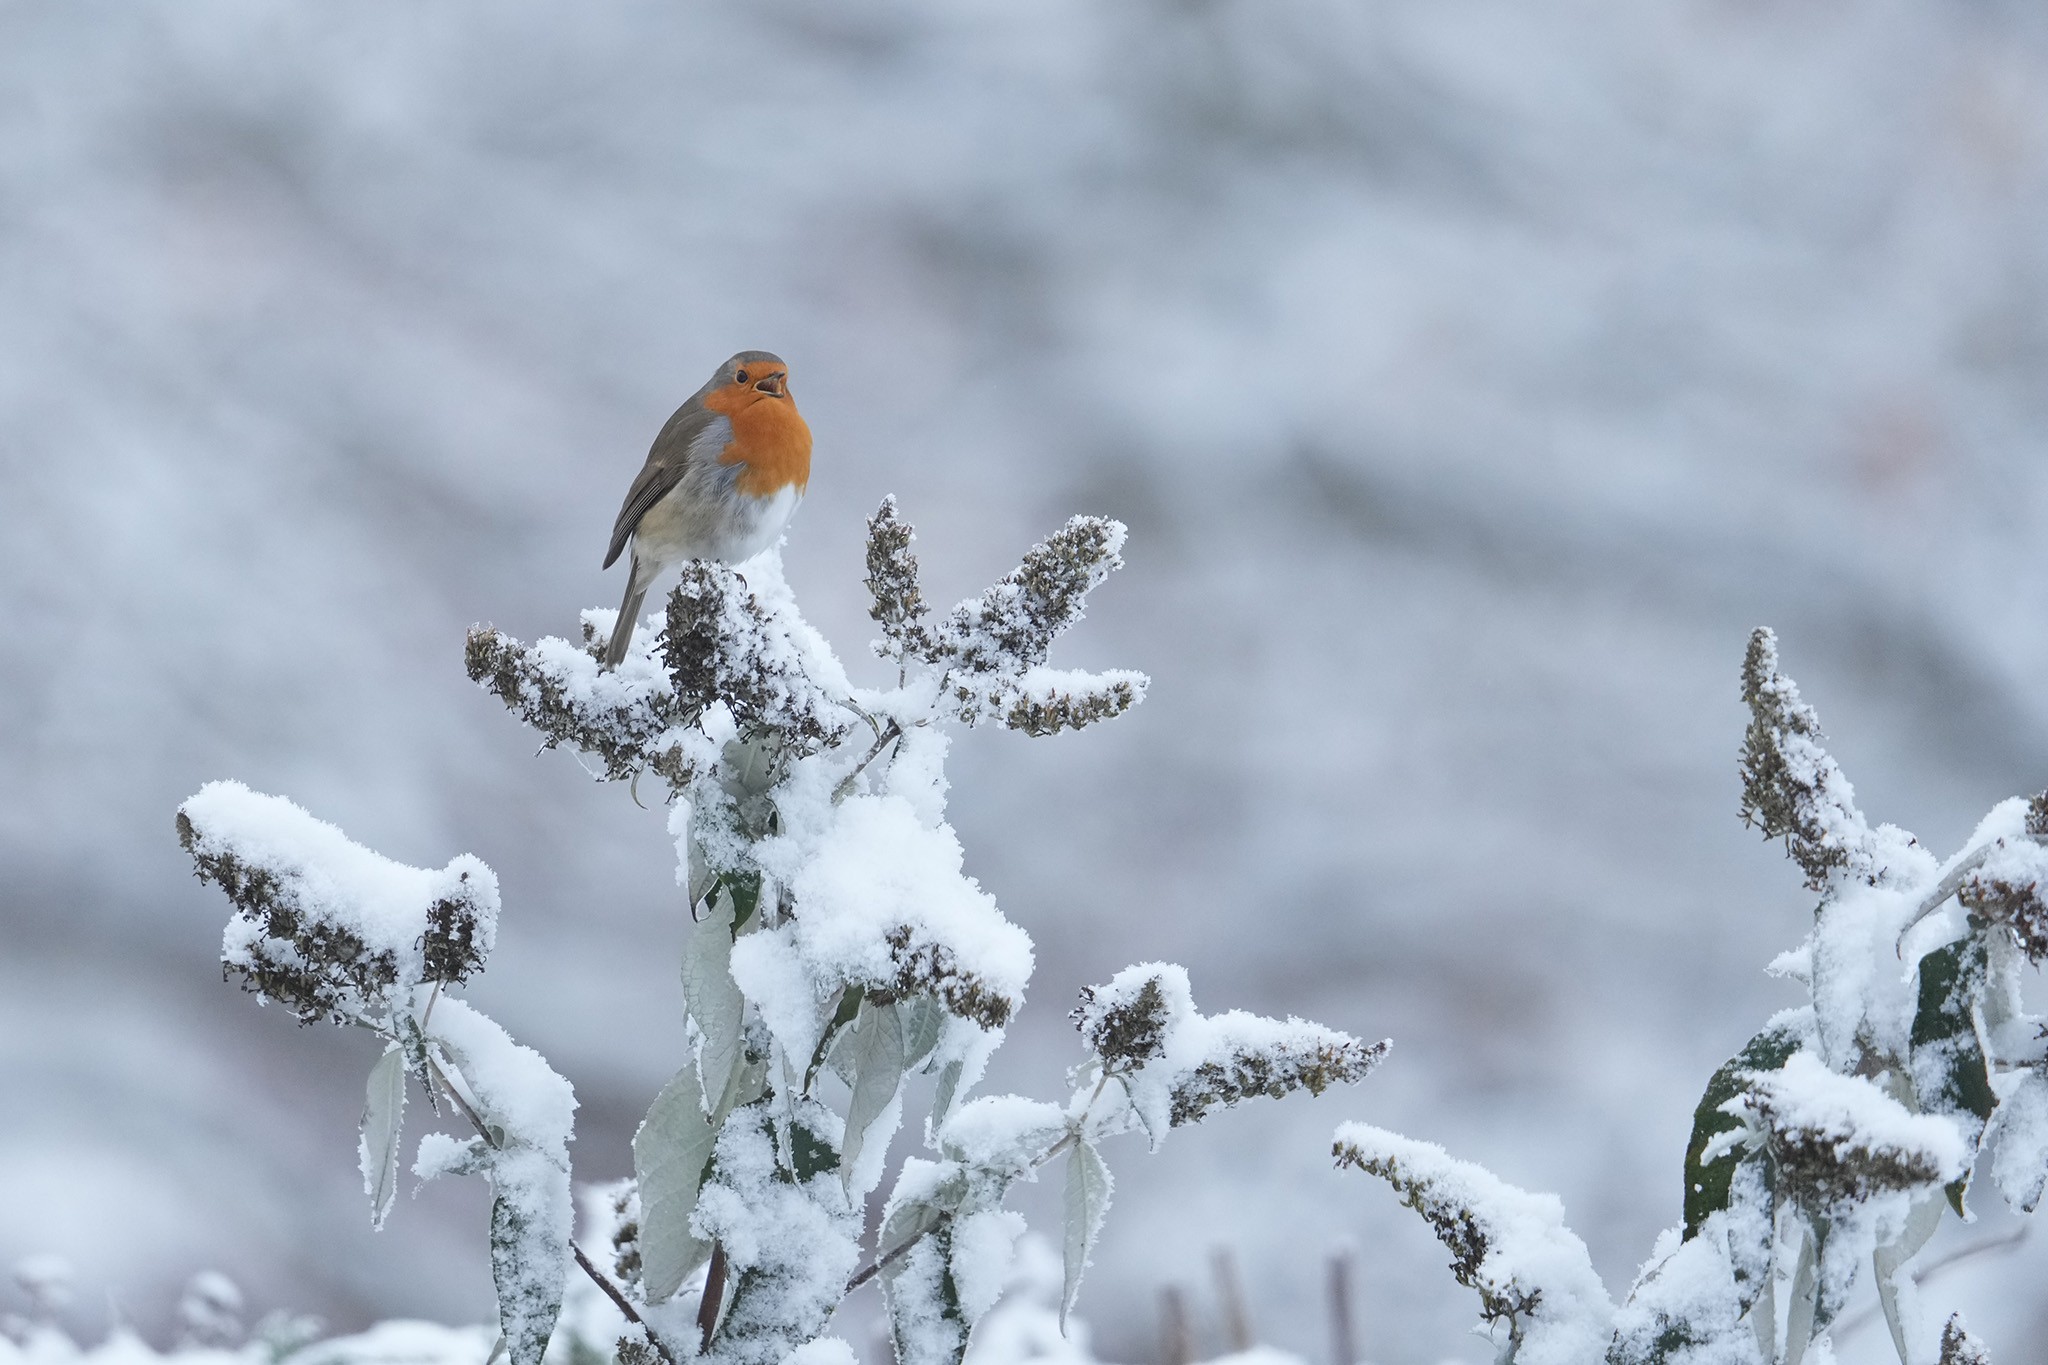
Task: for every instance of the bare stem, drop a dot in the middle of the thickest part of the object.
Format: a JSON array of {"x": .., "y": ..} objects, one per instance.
[{"x": 845, "y": 787}]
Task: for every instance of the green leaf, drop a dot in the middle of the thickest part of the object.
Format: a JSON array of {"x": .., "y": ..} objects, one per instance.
[
  {"x": 1949, "y": 1071},
  {"x": 811, "y": 1151},
  {"x": 383, "y": 1118},
  {"x": 1707, "y": 1184},
  {"x": 712, "y": 999},
  {"x": 526, "y": 1271},
  {"x": 926, "y": 1022},
  {"x": 947, "y": 1092},
  {"x": 843, "y": 1014},
  {"x": 670, "y": 1151},
  {"x": 877, "y": 1062},
  {"x": 1087, "y": 1201}
]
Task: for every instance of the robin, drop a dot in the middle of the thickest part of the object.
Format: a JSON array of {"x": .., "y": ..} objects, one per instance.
[{"x": 720, "y": 483}]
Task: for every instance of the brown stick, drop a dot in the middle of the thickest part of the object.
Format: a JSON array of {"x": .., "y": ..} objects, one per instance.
[
  {"x": 1237, "y": 1321},
  {"x": 1343, "y": 1332},
  {"x": 714, "y": 1292},
  {"x": 1176, "y": 1341}
]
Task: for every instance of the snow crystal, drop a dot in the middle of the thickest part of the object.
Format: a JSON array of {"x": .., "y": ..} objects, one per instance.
[
  {"x": 513, "y": 1085},
  {"x": 882, "y": 901},
  {"x": 2020, "y": 1163}
]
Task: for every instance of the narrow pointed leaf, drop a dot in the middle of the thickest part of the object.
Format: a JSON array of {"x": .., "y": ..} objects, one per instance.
[
  {"x": 1890, "y": 1260},
  {"x": 383, "y": 1118},
  {"x": 877, "y": 1064},
  {"x": 1087, "y": 1201},
  {"x": 713, "y": 1001},
  {"x": 942, "y": 1099},
  {"x": 528, "y": 1268},
  {"x": 670, "y": 1151}
]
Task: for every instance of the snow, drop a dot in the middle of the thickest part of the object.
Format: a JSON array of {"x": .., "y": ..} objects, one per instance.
[
  {"x": 1529, "y": 1252},
  {"x": 1002, "y": 1132},
  {"x": 876, "y": 866},
  {"x": 796, "y": 1246},
  {"x": 511, "y": 1084},
  {"x": 1853, "y": 1117},
  {"x": 320, "y": 874}
]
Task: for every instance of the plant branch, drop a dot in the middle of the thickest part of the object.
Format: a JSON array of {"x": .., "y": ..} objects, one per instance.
[
  {"x": 1068, "y": 1139},
  {"x": 602, "y": 1280},
  {"x": 882, "y": 740}
]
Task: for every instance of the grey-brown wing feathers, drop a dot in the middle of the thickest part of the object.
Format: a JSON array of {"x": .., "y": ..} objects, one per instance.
[{"x": 666, "y": 464}]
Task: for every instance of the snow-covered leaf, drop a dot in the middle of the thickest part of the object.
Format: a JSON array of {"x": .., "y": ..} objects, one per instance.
[
  {"x": 529, "y": 1256},
  {"x": 922, "y": 1028},
  {"x": 1086, "y": 1203},
  {"x": 945, "y": 1093},
  {"x": 1707, "y": 1182},
  {"x": 713, "y": 1001},
  {"x": 383, "y": 1119},
  {"x": 1894, "y": 1289},
  {"x": 670, "y": 1150},
  {"x": 877, "y": 1062},
  {"x": 2020, "y": 1163},
  {"x": 1950, "y": 1073}
]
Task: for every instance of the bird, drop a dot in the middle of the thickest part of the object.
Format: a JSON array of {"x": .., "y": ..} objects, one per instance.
[{"x": 720, "y": 483}]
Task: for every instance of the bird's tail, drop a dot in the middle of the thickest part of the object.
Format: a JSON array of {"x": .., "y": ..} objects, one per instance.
[{"x": 629, "y": 614}]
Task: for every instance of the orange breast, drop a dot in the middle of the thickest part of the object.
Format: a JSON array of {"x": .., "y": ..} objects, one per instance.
[{"x": 770, "y": 437}]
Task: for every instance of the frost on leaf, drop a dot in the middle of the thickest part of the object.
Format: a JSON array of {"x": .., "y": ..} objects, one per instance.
[
  {"x": 1791, "y": 787},
  {"x": 1175, "y": 1065},
  {"x": 1536, "y": 1285},
  {"x": 323, "y": 925}
]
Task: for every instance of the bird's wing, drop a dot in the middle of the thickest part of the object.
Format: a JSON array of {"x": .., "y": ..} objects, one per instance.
[{"x": 692, "y": 426}]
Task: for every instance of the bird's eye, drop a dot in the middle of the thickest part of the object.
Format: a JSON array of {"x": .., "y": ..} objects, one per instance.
[{"x": 740, "y": 378}]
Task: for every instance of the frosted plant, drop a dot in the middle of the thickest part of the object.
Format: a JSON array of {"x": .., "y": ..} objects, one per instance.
[
  {"x": 1840, "y": 1133},
  {"x": 834, "y": 949}
]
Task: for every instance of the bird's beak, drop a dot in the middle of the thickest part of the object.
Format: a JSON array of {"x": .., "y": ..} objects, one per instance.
[{"x": 773, "y": 384}]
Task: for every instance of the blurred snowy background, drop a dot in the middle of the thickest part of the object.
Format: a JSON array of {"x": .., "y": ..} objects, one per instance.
[{"x": 1472, "y": 375}]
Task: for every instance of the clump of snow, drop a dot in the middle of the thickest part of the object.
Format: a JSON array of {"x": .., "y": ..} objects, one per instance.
[
  {"x": 1843, "y": 1138},
  {"x": 324, "y": 924},
  {"x": 790, "y": 1245},
  {"x": 883, "y": 901},
  {"x": 1535, "y": 1282}
]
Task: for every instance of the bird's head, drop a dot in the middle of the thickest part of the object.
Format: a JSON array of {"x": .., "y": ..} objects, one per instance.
[{"x": 748, "y": 378}]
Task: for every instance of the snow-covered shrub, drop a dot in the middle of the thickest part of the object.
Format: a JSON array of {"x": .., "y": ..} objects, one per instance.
[
  {"x": 834, "y": 948},
  {"x": 1839, "y": 1134}
]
